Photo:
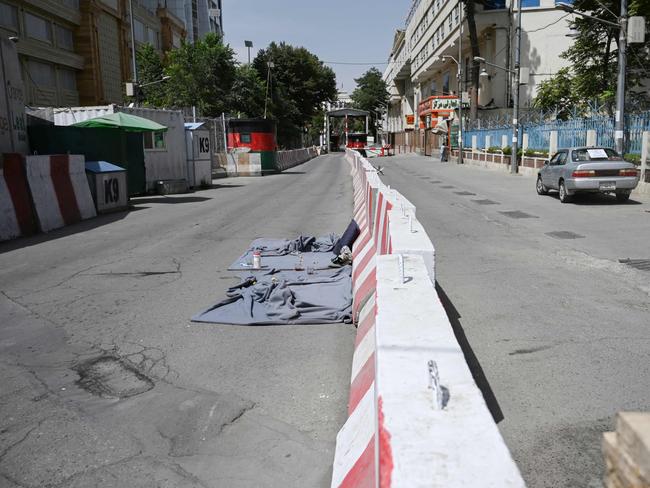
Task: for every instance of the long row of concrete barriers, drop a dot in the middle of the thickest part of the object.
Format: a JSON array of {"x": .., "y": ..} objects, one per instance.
[
  {"x": 416, "y": 416},
  {"x": 42, "y": 193}
]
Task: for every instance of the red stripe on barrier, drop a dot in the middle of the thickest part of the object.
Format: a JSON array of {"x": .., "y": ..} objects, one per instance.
[
  {"x": 365, "y": 325},
  {"x": 367, "y": 287},
  {"x": 60, "y": 174},
  {"x": 362, "y": 474},
  {"x": 14, "y": 175},
  {"x": 384, "y": 236},
  {"x": 361, "y": 383},
  {"x": 358, "y": 246},
  {"x": 385, "y": 451},
  {"x": 361, "y": 266}
]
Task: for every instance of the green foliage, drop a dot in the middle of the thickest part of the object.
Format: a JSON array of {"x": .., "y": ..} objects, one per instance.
[
  {"x": 299, "y": 84},
  {"x": 150, "y": 69},
  {"x": 246, "y": 98},
  {"x": 594, "y": 65},
  {"x": 494, "y": 149},
  {"x": 558, "y": 93},
  {"x": 535, "y": 153},
  {"x": 633, "y": 158},
  {"x": 371, "y": 94},
  {"x": 202, "y": 75}
]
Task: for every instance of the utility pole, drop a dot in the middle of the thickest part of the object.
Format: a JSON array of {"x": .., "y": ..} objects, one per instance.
[
  {"x": 619, "y": 134},
  {"x": 135, "y": 65},
  {"x": 514, "y": 161},
  {"x": 460, "y": 83}
]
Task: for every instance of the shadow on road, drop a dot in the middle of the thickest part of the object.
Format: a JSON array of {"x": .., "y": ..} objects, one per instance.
[
  {"x": 470, "y": 357},
  {"x": 168, "y": 199},
  {"x": 82, "y": 226},
  {"x": 594, "y": 199}
]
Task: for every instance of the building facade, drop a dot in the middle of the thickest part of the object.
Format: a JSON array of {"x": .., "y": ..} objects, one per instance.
[
  {"x": 424, "y": 56},
  {"x": 79, "y": 52}
]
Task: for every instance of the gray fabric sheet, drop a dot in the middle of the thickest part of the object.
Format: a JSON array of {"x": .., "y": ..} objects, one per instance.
[
  {"x": 286, "y": 297},
  {"x": 284, "y": 254}
]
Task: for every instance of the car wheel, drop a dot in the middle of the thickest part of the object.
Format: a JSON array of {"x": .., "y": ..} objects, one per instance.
[
  {"x": 564, "y": 196},
  {"x": 541, "y": 189},
  {"x": 622, "y": 196}
]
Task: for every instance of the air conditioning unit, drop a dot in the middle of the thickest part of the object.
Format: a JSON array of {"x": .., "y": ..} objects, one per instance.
[{"x": 214, "y": 13}]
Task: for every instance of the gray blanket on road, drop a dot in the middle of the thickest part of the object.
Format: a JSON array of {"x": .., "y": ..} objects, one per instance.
[
  {"x": 286, "y": 254},
  {"x": 286, "y": 297}
]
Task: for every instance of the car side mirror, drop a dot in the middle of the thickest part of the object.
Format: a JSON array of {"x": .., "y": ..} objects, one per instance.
[{"x": 547, "y": 162}]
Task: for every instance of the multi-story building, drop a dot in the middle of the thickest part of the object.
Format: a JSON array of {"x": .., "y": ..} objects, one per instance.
[
  {"x": 78, "y": 52},
  {"x": 423, "y": 60}
]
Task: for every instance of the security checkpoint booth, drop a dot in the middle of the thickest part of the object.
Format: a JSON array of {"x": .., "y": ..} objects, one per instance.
[
  {"x": 346, "y": 136},
  {"x": 108, "y": 186},
  {"x": 199, "y": 154}
]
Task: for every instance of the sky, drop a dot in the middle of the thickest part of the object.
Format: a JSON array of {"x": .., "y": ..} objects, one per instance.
[{"x": 337, "y": 31}]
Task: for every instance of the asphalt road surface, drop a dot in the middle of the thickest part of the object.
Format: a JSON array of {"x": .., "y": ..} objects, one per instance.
[
  {"x": 103, "y": 307},
  {"x": 560, "y": 328}
]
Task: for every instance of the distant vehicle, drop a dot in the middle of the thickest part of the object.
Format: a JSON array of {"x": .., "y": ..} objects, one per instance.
[
  {"x": 357, "y": 140},
  {"x": 588, "y": 169}
]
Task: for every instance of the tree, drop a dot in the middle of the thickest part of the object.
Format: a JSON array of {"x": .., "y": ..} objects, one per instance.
[
  {"x": 150, "y": 69},
  {"x": 202, "y": 75},
  {"x": 371, "y": 93},
  {"x": 594, "y": 56},
  {"x": 247, "y": 96},
  {"x": 299, "y": 84},
  {"x": 558, "y": 93}
]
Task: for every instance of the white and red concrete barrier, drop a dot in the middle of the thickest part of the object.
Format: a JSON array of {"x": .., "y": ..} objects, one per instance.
[
  {"x": 289, "y": 159},
  {"x": 59, "y": 190},
  {"x": 16, "y": 209},
  {"x": 416, "y": 416}
]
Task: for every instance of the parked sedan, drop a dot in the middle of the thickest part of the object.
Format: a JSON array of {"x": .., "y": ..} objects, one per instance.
[{"x": 588, "y": 169}]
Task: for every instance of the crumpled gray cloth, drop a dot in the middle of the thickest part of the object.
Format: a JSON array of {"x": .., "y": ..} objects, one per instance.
[
  {"x": 282, "y": 247},
  {"x": 286, "y": 297},
  {"x": 282, "y": 253}
]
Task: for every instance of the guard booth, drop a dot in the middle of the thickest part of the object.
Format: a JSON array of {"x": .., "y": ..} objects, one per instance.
[
  {"x": 258, "y": 136},
  {"x": 108, "y": 186},
  {"x": 338, "y": 139},
  {"x": 199, "y": 154}
]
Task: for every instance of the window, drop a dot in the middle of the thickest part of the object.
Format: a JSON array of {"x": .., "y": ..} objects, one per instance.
[
  {"x": 246, "y": 138},
  {"x": 9, "y": 16},
  {"x": 139, "y": 31},
  {"x": 64, "y": 38},
  {"x": 155, "y": 141},
  {"x": 445, "y": 83},
  {"x": 529, "y": 3},
  {"x": 38, "y": 27},
  {"x": 41, "y": 74},
  {"x": 176, "y": 40},
  {"x": 74, "y": 4},
  {"x": 152, "y": 36},
  {"x": 67, "y": 79}
]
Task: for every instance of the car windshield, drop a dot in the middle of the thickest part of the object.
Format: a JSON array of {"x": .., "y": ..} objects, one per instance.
[{"x": 595, "y": 154}]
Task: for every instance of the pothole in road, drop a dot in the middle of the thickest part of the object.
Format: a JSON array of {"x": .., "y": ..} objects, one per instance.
[
  {"x": 486, "y": 202},
  {"x": 564, "y": 234},
  {"x": 112, "y": 377},
  {"x": 518, "y": 214},
  {"x": 640, "y": 264}
]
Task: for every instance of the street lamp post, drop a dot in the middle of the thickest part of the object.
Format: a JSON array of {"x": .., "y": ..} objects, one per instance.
[
  {"x": 249, "y": 45},
  {"x": 270, "y": 65}
]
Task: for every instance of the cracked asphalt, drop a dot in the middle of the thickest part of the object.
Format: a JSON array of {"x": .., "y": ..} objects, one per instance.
[
  {"x": 535, "y": 288},
  {"x": 231, "y": 406}
]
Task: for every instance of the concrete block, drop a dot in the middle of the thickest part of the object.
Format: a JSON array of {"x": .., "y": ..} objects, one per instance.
[
  {"x": 633, "y": 429},
  {"x": 487, "y": 142},
  {"x": 552, "y": 148},
  {"x": 524, "y": 142},
  {"x": 474, "y": 143},
  {"x": 591, "y": 137},
  {"x": 504, "y": 141}
]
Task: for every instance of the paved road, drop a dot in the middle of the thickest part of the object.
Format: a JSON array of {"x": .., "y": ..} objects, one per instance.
[
  {"x": 559, "y": 327},
  {"x": 230, "y": 406}
]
